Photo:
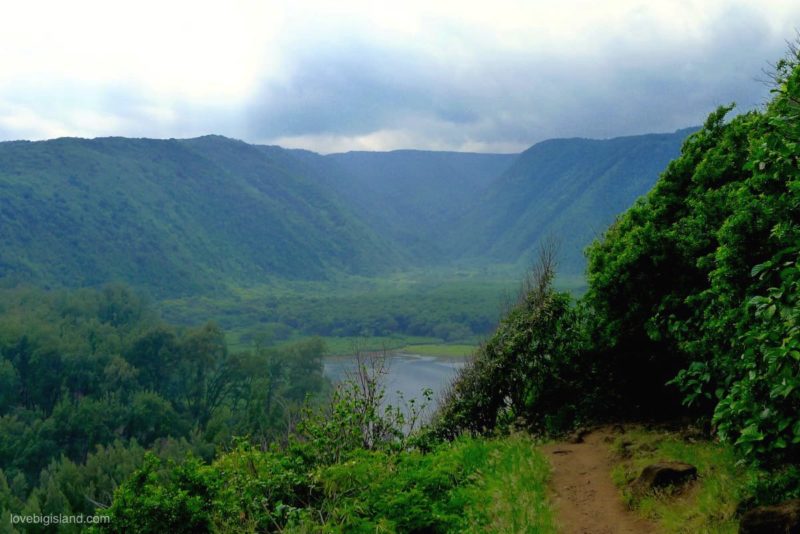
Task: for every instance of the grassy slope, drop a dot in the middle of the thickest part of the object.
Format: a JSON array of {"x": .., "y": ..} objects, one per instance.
[
  {"x": 469, "y": 486},
  {"x": 510, "y": 493}
]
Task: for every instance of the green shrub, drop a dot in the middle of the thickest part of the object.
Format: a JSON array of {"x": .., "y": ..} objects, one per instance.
[
  {"x": 699, "y": 280},
  {"x": 534, "y": 370}
]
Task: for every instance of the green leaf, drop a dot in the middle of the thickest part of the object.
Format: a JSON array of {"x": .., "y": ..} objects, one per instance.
[
  {"x": 761, "y": 267},
  {"x": 750, "y": 434}
]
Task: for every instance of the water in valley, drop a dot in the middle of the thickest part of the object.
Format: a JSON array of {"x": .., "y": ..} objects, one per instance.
[{"x": 408, "y": 374}]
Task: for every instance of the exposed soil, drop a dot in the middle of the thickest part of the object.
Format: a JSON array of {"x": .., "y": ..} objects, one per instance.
[{"x": 585, "y": 499}]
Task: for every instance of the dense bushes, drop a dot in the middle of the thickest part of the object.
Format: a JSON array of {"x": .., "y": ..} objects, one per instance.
[
  {"x": 454, "y": 488},
  {"x": 759, "y": 410},
  {"x": 529, "y": 370},
  {"x": 350, "y": 466},
  {"x": 702, "y": 273},
  {"x": 89, "y": 372}
]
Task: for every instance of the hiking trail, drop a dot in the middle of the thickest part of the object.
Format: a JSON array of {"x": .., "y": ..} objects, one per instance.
[{"x": 582, "y": 492}]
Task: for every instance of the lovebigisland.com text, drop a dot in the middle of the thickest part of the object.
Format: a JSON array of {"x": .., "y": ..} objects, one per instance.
[{"x": 47, "y": 520}]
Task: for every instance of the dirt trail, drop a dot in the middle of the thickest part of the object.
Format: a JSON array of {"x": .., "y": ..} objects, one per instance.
[{"x": 586, "y": 500}]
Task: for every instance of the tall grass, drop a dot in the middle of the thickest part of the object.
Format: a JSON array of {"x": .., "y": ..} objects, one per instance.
[
  {"x": 510, "y": 491},
  {"x": 707, "y": 505}
]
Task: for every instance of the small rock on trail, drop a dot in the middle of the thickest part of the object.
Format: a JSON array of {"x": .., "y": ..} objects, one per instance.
[
  {"x": 664, "y": 474},
  {"x": 779, "y": 519}
]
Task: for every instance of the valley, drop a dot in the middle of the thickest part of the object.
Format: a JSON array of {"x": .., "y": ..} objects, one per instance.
[
  {"x": 407, "y": 376},
  {"x": 181, "y": 293},
  {"x": 279, "y": 245}
]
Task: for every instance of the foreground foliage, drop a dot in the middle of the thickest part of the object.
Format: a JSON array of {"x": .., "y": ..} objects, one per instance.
[
  {"x": 701, "y": 276},
  {"x": 471, "y": 485},
  {"x": 353, "y": 465},
  {"x": 90, "y": 380}
]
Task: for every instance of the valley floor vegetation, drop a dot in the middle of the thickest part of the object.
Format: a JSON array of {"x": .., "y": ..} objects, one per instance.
[{"x": 428, "y": 307}]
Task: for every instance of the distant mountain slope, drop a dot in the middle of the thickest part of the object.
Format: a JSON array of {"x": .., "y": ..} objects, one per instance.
[
  {"x": 173, "y": 216},
  {"x": 199, "y": 215},
  {"x": 570, "y": 189},
  {"x": 412, "y": 196}
]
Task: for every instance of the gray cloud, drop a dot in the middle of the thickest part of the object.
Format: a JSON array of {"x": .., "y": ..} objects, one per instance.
[
  {"x": 459, "y": 87},
  {"x": 354, "y": 89}
]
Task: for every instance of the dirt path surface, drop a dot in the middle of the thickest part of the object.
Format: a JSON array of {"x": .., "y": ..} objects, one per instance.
[{"x": 585, "y": 499}]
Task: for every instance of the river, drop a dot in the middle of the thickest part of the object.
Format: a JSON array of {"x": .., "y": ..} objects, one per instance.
[{"x": 409, "y": 374}]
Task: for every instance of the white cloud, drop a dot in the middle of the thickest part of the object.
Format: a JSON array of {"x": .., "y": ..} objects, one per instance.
[
  {"x": 187, "y": 49},
  {"x": 24, "y": 123}
]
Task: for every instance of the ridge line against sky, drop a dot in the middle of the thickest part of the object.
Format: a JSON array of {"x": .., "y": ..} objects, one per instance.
[
  {"x": 370, "y": 151},
  {"x": 360, "y": 75}
]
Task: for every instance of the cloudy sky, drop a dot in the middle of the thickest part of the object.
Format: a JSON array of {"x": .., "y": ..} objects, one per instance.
[{"x": 349, "y": 75}]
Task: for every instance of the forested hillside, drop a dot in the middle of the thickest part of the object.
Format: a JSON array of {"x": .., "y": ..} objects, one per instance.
[
  {"x": 480, "y": 209},
  {"x": 174, "y": 217},
  {"x": 567, "y": 189},
  {"x": 205, "y": 215}
]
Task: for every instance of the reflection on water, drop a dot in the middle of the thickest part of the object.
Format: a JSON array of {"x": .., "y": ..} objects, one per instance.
[{"x": 407, "y": 373}]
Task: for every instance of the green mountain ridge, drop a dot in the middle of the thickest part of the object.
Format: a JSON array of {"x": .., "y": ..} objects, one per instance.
[
  {"x": 173, "y": 216},
  {"x": 567, "y": 189},
  {"x": 204, "y": 215}
]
